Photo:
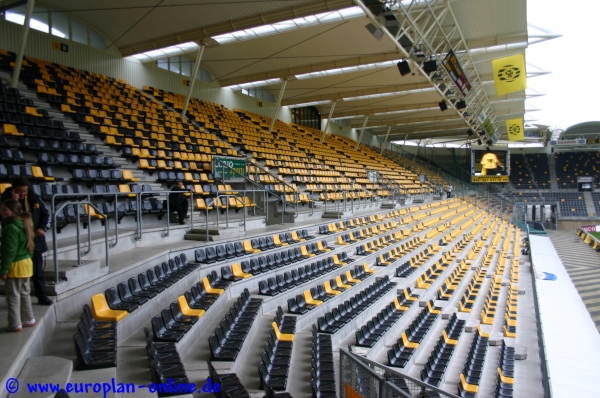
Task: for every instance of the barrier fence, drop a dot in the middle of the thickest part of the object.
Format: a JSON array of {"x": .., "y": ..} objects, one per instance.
[{"x": 363, "y": 378}]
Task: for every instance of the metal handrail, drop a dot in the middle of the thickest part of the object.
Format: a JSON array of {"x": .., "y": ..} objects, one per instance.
[
  {"x": 283, "y": 199},
  {"x": 79, "y": 253}
]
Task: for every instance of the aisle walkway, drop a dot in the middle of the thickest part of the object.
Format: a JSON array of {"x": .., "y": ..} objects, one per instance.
[{"x": 583, "y": 265}]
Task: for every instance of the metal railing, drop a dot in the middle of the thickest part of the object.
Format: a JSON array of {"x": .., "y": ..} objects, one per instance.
[
  {"x": 80, "y": 254},
  {"x": 374, "y": 380},
  {"x": 282, "y": 198}
]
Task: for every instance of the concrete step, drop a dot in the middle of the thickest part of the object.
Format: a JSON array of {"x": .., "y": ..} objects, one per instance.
[
  {"x": 42, "y": 370},
  {"x": 72, "y": 275}
]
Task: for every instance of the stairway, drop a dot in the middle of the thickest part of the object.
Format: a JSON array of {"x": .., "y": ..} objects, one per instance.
[
  {"x": 583, "y": 265},
  {"x": 589, "y": 204},
  {"x": 552, "y": 166},
  {"x": 103, "y": 149}
]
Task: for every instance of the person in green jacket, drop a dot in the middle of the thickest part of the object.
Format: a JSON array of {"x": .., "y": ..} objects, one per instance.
[{"x": 16, "y": 266}]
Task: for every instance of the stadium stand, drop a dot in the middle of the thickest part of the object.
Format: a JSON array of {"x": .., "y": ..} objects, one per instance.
[{"x": 431, "y": 286}]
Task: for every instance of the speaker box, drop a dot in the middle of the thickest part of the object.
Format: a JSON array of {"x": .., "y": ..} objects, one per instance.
[
  {"x": 461, "y": 105},
  {"x": 429, "y": 66},
  {"x": 443, "y": 106},
  {"x": 404, "y": 68}
]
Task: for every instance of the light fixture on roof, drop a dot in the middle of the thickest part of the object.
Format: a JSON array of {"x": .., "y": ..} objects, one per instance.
[
  {"x": 443, "y": 106},
  {"x": 479, "y": 142},
  {"x": 375, "y": 31},
  {"x": 404, "y": 67},
  {"x": 431, "y": 66},
  {"x": 418, "y": 54},
  {"x": 470, "y": 132},
  {"x": 461, "y": 104}
]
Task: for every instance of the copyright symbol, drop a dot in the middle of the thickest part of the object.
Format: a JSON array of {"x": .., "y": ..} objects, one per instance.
[{"x": 12, "y": 385}]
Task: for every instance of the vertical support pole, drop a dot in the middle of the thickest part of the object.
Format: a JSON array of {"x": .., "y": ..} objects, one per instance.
[
  {"x": 385, "y": 140},
  {"x": 328, "y": 119},
  {"x": 193, "y": 78},
  {"x": 281, "y": 92},
  {"x": 19, "y": 60},
  {"x": 362, "y": 131}
]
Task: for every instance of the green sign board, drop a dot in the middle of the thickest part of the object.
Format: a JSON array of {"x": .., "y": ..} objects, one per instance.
[{"x": 225, "y": 167}]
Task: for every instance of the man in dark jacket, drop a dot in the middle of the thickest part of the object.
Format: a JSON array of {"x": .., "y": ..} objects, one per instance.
[
  {"x": 178, "y": 201},
  {"x": 33, "y": 204}
]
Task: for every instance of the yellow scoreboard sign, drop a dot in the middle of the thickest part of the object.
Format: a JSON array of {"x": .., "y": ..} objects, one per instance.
[{"x": 489, "y": 178}]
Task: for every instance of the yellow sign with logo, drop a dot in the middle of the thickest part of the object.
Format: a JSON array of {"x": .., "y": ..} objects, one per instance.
[
  {"x": 514, "y": 129},
  {"x": 509, "y": 74},
  {"x": 489, "y": 179}
]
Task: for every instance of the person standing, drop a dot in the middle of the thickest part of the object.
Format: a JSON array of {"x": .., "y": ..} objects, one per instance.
[
  {"x": 33, "y": 204},
  {"x": 16, "y": 266},
  {"x": 449, "y": 191}
]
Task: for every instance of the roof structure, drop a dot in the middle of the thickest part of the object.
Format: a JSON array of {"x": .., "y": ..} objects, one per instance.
[{"x": 339, "y": 54}]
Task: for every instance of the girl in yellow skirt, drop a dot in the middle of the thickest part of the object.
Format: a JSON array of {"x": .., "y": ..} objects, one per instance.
[{"x": 16, "y": 266}]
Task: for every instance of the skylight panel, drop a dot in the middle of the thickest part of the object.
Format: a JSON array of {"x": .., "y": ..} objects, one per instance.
[
  {"x": 259, "y": 83},
  {"x": 290, "y": 25},
  {"x": 154, "y": 55}
]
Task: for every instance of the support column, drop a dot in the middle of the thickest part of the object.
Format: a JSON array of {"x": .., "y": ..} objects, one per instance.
[
  {"x": 328, "y": 119},
  {"x": 385, "y": 140},
  {"x": 281, "y": 92},
  {"x": 193, "y": 78},
  {"x": 362, "y": 131},
  {"x": 19, "y": 60}
]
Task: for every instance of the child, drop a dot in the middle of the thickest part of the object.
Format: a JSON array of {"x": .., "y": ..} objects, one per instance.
[{"x": 16, "y": 266}]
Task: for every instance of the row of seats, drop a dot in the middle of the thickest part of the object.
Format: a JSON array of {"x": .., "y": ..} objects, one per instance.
[
  {"x": 510, "y": 315},
  {"x": 9, "y": 172},
  {"x": 194, "y": 303},
  {"x": 406, "y": 269},
  {"x": 211, "y": 254},
  {"x": 95, "y": 342},
  {"x": 128, "y": 296},
  {"x": 376, "y": 327},
  {"x": 452, "y": 281},
  {"x": 53, "y": 133},
  {"x": 266, "y": 262},
  {"x": 505, "y": 380},
  {"x": 269, "y": 262},
  {"x": 302, "y": 303},
  {"x": 277, "y": 360},
  {"x": 322, "y": 366},
  {"x": 491, "y": 301},
  {"x": 468, "y": 299},
  {"x": 438, "y": 360},
  {"x": 336, "y": 319},
  {"x": 73, "y": 160},
  {"x": 31, "y": 144},
  {"x": 226, "y": 343},
  {"x": 9, "y": 156},
  {"x": 340, "y": 226},
  {"x": 102, "y": 175},
  {"x": 229, "y": 383},
  {"x": 468, "y": 386},
  {"x": 275, "y": 374},
  {"x": 166, "y": 367},
  {"x": 297, "y": 277},
  {"x": 404, "y": 348}
]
